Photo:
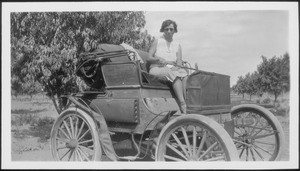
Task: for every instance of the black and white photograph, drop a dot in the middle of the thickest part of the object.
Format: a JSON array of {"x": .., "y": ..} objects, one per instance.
[{"x": 150, "y": 85}]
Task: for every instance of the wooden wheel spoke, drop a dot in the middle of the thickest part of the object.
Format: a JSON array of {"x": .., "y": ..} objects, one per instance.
[
  {"x": 254, "y": 127},
  {"x": 241, "y": 152},
  {"x": 76, "y": 127},
  {"x": 260, "y": 129},
  {"x": 208, "y": 150},
  {"x": 172, "y": 158},
  {"x": 250, "y": 126},
  {"x": 86, "y": 148},
  {"x": 65, "y": 154},
  {"x": 258, "y": 154},
  {"x": 201, "y": 143},
  {"x": 257, "y": 146},
  {"x": 264, "y": 143},
  {"x": 247, "y": 154},
  {"x": 180, "y": 144},
  {"x": 241, "y": 143},
  {"x": 83, "y": 134},
  {"x": 72, "y": 127},
  {"x": 81, "y": 127},
  {"x": 194, "y": 141},
  {"x": 68, "y": 129},
  {"x": 175, "y": 150},
  {"x": 264, "y": 135},
  {"x": 238, "y": 140},
  {"x": 75, "y": 155},
  {"x": 239, "y": 146},
  {"x": 187, "y": 140},
  {"x": 61, "y": 130},
  {"x": 83, "y": 153},
  {"x": 252, "y": 153},
  {"x": 239, "y": 128},
  {"x": 86, "y": 141},
  {"x": 79, "y": 156},
  {"x": 71, "y": 154}
]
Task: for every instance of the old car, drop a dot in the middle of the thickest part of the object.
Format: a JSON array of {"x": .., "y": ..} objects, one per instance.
[{"x": 126, "y": 114}]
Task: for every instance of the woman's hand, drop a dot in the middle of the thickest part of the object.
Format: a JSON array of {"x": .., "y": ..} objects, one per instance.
[
  {"x": 160, "y": 60},
  {"x": 171, "y": 62},
  {"x": 165, "y": 62}
]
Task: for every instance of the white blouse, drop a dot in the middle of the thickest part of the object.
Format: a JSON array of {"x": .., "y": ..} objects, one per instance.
[{"x": 168, "y": 53}]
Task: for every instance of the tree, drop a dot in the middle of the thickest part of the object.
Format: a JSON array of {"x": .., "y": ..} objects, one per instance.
[
  {"x": 240, "y": 86},
  {"x": 252, "y": 84},
  {"x": 45, "y": 46},
  {"x": 274, "y": 74},
  {"x": 285, "y": 71}
]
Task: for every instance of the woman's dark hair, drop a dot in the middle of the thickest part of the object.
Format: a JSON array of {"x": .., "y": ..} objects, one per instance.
[{"x": 166, "y": 23}]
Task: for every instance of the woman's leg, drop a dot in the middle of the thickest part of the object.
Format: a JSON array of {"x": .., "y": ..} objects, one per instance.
[
  {"x": 184, "y": 82},
  {"x": 177, "y": 87},
  {"x": 177, "y": 83}
]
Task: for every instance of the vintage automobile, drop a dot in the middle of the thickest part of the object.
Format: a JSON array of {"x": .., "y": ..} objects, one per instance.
[{"x": 126, "y": 114}]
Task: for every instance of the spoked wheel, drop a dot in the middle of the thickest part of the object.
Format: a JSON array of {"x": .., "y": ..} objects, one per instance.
[
  {"x": 258, "y": 134},
  {"x": 74, "y": 137},
  {"x": 194, "y": 138}
]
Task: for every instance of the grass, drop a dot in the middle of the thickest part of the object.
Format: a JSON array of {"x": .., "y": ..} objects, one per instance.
[
  {"x": 30, "y": 125},
  {"x": 32, "y": 117},
  {"x": 279, "y": 108}
]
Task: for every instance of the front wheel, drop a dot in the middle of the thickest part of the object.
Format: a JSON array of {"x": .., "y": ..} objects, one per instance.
[
  {"x": 74, "y": 137},
  {"x": 194, "y": 138}
]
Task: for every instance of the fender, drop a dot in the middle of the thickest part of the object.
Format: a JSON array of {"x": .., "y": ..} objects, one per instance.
[{"x": 103, "y": 132}]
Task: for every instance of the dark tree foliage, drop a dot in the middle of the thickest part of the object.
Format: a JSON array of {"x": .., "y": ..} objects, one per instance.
[
  {"x": 275, "y": 74},
  {"x": 272, "y": 76},
  {"x": 45, "y": 46}
]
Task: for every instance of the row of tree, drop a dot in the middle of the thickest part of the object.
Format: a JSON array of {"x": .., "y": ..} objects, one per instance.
[
  {"x": 45, "y": 46},
  {"x": 272, "y": 76}
]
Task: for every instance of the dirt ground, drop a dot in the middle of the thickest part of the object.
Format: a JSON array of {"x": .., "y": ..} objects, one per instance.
[{"x": 31, "y": 122}]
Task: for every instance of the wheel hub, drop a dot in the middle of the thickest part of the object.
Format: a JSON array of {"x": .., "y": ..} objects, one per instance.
[
  {"x": 248, "y": 139},
  {"x": 72, "y": 143}
]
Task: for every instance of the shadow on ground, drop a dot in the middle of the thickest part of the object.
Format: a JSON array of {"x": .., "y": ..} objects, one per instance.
[{"x": 40, "y": 129}]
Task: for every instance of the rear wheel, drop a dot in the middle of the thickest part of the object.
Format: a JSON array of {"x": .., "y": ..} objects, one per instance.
[
  {"x": 258, "y": 134},
  {"x": 74, "y": 137},
  {"x": 194, "y": 138}
]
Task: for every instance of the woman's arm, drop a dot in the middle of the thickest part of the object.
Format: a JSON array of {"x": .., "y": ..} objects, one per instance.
[
  {"x": 152, "y": 57},
  {"x": 152, "y": 51}
]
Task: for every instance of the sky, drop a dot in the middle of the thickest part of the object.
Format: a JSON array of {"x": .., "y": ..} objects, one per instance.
[{"x": 226, "y": 42}]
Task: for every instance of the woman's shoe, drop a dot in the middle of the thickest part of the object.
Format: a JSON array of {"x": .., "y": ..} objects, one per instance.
[{"x": 183, "y": 107}]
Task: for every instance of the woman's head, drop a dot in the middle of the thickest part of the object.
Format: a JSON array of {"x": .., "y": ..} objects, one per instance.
[{"x": 167, "y": 23}]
